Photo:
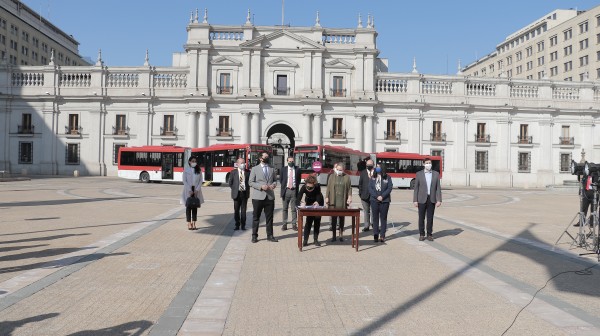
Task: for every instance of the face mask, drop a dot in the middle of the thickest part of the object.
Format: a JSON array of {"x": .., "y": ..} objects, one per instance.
[
  {"x": 290, "y": 164},
  {"x": 265, "y": 160},
  {"x": 242, "y": 166},
  {"x": 310, "y": 188},
  {"x": 370, "y": 167},
  {"x": 428, "y": 166},
  {"x": 338, "y": 172},
  {"x": 193, "y": 164},
  {"x": 378, "y": 170}
]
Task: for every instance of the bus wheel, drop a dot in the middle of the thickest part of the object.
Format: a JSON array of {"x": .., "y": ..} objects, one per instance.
[
  {"x": 145, "y": 177},
  {"x": 412, "y": 184}
]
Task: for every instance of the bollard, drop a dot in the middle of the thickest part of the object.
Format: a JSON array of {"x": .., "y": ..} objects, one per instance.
[{"x": 76, "y": 173}]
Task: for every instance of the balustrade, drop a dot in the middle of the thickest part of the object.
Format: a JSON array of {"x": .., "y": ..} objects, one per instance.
[
  {"x": 565, "y": 93},
  {"x": 27, "y": 129},
  {"x": 481, "y": 89},
  {"x": 391, "y": 85},
  {"x": 338, "y": 39},
  {"x": 27, "y": 79},
  {"x": 523, "y": 139},
  {"x": 168, "y": 131},
  {"x": 226, "y": 36},
  {"x": 75, "y": 79},
  {"x": 122, "y": 79},
  {"x": 436, "y": 87},
  {"x": 524, "y": 91},
  {"x": 120, "y": 130},
  {"x": 170, "y": 80},
  {"x": 391, "y": 135}
]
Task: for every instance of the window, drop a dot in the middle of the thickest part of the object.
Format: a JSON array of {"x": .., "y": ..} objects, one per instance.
[
  {"x": 14, "y": 30},
  {"x": 440, "y": 153},
  {"x": 509, "y": 73},
  {"x": 583, "y": 60},
  {"x": 569, "y": 79},
  {"x": 116, "y": 148},
  {"x": 26, "y": 127},
  {"x": 224, "y": 129},
  {"x": 519, "y": 69},
  {"x": 2, "y": 39},
  {"x": 540, "y": 61},
  {"x": 391, "y": 130},
  {"x": 338, "y": 128},
  {"x": 437, "y": 134},
  {"x": 540, "y": 74},
  {"x": 554, "y": 71},
  {"x": 481, "y": 161},
  {"x": 529, "y": 65},
  {"x": 583, "y": 27},
  {"x": 524, "y": 137},
  {"x": 73, "y": 124},
  {"x": 598, "y": 20},
  {"x": 565, "y": 162},
  {"x": 72, "y": 154},
  {"x": 25, "y": 152},
  {"x": 529, "y": 51},
  {"x": 567, "y": 34},
  {"x": 168, "y": 125},
  {"x": 524, "y": 162},
  {"x": 13, "y": 45},
  {"x": 565, "y": 138},
  {"x": 121, "y": 125},
  {"x": 25, "y": 50},
  {"x": 583, "y": 44},
  {"x": 540, "y": 46},
  {"x": 553, "y": 56},
  {"x": 25, "y": 36},
  {"x": 568, "y": 50},
  {"x": 35, "y": 41},
  {"x": 3, "y": 24},
  {"x": 225, "y": 84},
  {"x": 491, "y": 68},
  {"x": 338, "y": 87},
  {"x": 553, "y": 40},
  {"x": 597, "y": 38},
  {"x": 568, "y": 66},
  {"x": 509, "y": 60},
  {"x": 282, "y": 88},
  {"x": 481, "y": 136},
  {"x": 44, "y": 60},
  {"x": 519, "y": 56}
]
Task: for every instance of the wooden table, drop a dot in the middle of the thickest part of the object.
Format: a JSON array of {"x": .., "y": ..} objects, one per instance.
[{"x": 310, "y": 211}]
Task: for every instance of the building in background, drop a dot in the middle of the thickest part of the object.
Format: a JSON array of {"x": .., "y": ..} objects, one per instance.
[
  {"x": 563, "y": 45},
  {"x": 26, "y": 38},
  {"x": 285, "y": 86}
]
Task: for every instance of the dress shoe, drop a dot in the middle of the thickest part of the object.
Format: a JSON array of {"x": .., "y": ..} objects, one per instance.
[
  {"x": 255, "y": 239},
  {"x": 284, "y": 227},
  {"x": 382, "y": 240},
  {"x": 421, "y": 238},
  {"x": 430, "y": 238},
  {"x": 332, "y": 240},
  {"x": 576, "y": 224},
  {"x": 375, "y": 238},
  {"x": 236, "y": 228},
  {"x": 272, "y": 239},
  {"x": 317, "y": 243},
  {"x": 331, "y": 228},
  {"x": 366, "y": 229},
  {"x": 294, "y": 227},
  {"x": 305, "y": 243},
  {"x": 244, "y": 228},
  {"x": 341, "y": 239}
]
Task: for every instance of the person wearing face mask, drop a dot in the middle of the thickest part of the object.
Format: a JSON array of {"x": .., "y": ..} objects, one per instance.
[
  {"x": 289, "y": 181},
  {"x": 240, "y": 191},
  {"x": 192, "y": 184},
  {"x": 311, "y": 191},
  {"x": 262, "y": 182},
  {"x": 363, "y": 192},
  {"x": 427, "y": 196},
  {"x": 339, "y": 196},
  {"x": 380, "y": 189}
]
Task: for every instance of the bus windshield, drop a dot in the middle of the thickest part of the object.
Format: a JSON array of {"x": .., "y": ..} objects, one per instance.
[{"x": 305, "y": 160}]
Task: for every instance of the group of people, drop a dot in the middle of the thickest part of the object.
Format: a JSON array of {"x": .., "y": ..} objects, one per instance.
[{"x": 258, "y": 184}]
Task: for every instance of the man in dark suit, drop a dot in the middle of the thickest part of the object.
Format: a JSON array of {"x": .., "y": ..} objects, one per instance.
[
  {"x": 289, "y": 182},
  {"x": 427, "y": 196},
  {"x": 363, "y": 192},
  {"x": 240, "y": 191},
  {"x": 262, "y": 182}
]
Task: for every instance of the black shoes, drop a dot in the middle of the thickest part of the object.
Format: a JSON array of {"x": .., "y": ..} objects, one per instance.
[
  {"x": 284, "y": 227},
  {"x": 376, "y": 238},
  {"x": 305, "y": 243},
  {"x": 317, "y": 243},
  {"x": 244, "y": 228},
  {"x": 255, "y": 239},
  {"x": 294, "y": 227},
  {"x": 366, "y": 229},
  {"x": 236, "y": 228},
  {"x": 272, "y": 239},
  {"x": 332, "y": 240},
  {"x": 430, "y": 238},
  {"x": 421, "y": 238}
]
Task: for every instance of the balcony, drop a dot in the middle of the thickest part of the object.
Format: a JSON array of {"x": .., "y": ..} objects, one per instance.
[
  {"x": 394, "y": 136},
  {"x": 281, "y": 91},
  {"x": 338, "y": 134},
  {"x": 482, "y": 138},
  {"x": 27, "y": 129},
  {"x": 437, "y": 137},
  {"x": 73, "y": 130},
  {"x": 337, "y": 92},
  {"x": 524, "y": 140},
  {"x": 567, "y": 141},
  {"x": 224, "y": 89},
  {"x": 224, "y": 132},
  {"x": 120, "y": 130},
  {"x": 168, "y": 131}
]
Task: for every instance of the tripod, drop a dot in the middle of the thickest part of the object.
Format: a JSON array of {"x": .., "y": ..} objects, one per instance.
[
  {"x": 594, "y": 234},
  {"x": 579, "y": 239}
]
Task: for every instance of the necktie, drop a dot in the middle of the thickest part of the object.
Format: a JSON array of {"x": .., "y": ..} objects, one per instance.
[
  {"x": 378, "y": 184},
  {"x": 290, "y": 178},
  {"x": 242, "y": 185},
  {"x": 265, "y": 172}
]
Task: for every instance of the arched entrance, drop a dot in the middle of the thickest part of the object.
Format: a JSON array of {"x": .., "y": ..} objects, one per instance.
[{"x": 281, "y": 137}]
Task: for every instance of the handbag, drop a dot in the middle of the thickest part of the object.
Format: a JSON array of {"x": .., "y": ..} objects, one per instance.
[{"x": 192, "y": 201}]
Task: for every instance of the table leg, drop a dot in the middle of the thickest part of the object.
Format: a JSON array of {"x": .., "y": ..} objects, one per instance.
[
  {"x": 353, "y": 237},
  {"x": 357, "y": 218},
  {"x": 300, "y": 224}
]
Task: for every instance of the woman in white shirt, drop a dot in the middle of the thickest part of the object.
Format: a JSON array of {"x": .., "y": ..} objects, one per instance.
[{"x": 192, "y": 184}]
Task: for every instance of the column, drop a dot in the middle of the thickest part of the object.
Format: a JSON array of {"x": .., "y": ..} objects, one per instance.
[
  {"x": 369, "y": 74},
  {"x": 255, "y": 73},
  {"x": 369, "y": 134},
  {"x": 358, "y": 130},
  {"x": 318, "y": 74},
  {"x": 245, "y": 138},
  {"x": 307, "y": 126},
  {"x": 359, "y": 83},
  {"x": 192, "y": 131},
  {"x": 246, "y": 66},
  {"x": 503, "y": 154},
  {"x": 203, "y": 129},
  {"x": 193, "y": 64},
  {"x": 587, "y": 140},
  {"x": 318, "y": 127},
  {"x": 49, "y": 134},
  {"x": 545, "y": 175},
  {"x": 459, "y": 168},
  {"x": 203, "y": 72},
  {"x": 414, "y": 134},
  {"x": 256, "y": 131},
  {"x": 308, "y": 78}
]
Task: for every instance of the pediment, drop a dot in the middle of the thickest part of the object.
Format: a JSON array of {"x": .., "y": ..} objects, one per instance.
[
  {"x": 282, "y": 62},
  {"x": 226, "y": 60},
  {"x": 282, "y": 39},
  {"x": 338, "y": 64}
]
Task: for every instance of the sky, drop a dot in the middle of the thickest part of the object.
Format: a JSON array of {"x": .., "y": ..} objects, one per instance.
[{"x": 436, "y": 32}]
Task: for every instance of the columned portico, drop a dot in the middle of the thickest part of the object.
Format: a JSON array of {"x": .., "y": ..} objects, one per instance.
[
  {"x": 244, "y": 124},
  {"x": 192, "y": 131},
  {"x": 256, "y": 127},
  {"x": 358, "y": 131},
  {"x": 307, "y": 128},
  {"x": 203, "y": 129},
  {"x": 369, "y": 134},
  {"x": 318, "y": 128}
]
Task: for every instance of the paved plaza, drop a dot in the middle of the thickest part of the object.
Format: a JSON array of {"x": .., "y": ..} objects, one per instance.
[{"x": 104, "y": 256}]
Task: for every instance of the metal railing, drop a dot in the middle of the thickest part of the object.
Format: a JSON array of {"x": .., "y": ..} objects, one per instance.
[
  {"x": 438, "y": 137},
  {"x": 338, "y": 134},
  {"x": 168, "y": 131},
  {"x": 281, "y": 91},
  {"x": 391, "y": 135},
  {"x": 224, "y": 131},
  {"x": 28, "y": 129},
  {"x": 483, "y": 138},
  {"x": 73, "y": 130},
  {"x": 523, "y": 139},
  {"x": 224, "y": 89},
  {"x": 120, "y": 130},
  {"x": 337, "y": 92},
  {"x": 567, "y": 140}
]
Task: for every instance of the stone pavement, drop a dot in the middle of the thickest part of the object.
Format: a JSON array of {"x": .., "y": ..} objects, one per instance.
[{"x": 104, "y": 256}]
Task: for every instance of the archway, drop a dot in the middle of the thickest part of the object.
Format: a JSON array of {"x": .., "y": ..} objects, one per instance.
[{"x": 281, "y": 138}]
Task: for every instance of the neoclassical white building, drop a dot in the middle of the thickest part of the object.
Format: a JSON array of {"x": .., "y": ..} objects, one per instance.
[{"x": 309, "y": 85}]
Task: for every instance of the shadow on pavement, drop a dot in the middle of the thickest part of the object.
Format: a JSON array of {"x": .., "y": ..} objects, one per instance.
[
  {"x": 8, "y": 327},
  {"x": 42, "y": 253},
  {"x": 15, "y": 248},
  {"x": 125, "y": 329},
  {"x": 42, "y": 238},
  {"x": 63, "y": 202},
  {"x": 60, "y": 262},
  {"x": 72, "y": 228}
]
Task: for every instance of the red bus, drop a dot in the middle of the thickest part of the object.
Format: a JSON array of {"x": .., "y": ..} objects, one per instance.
[
  {"x": 305, "y": 155},
  {"x": 403, "y": 167},
  {"x": 152, "y": 163},
  {"x": 217, "y": 161}
]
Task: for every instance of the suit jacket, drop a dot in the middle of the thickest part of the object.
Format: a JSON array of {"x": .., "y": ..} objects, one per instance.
[
  {"x": 385, "y": 192},
  {"x": 258, "y": 179},
  {"x": 284, "y": 176},
  {"x": 234, "y": 183},
  {"x": 190, "y": 179},
  {"x": 330, "y": 193},
  {"x": 363, "y": 185},
  {"x": 420, "y": 192}
]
